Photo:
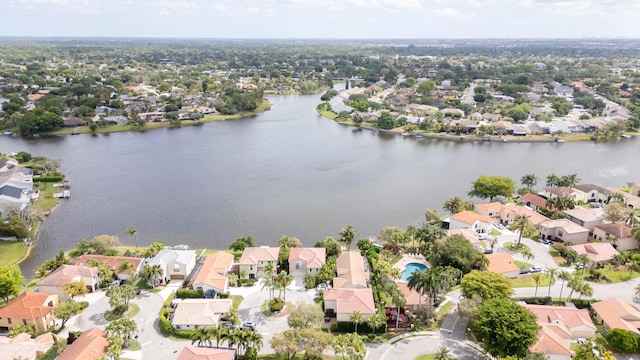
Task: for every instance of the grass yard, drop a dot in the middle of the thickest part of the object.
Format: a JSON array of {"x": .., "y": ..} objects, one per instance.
[
  {"x": 445, "y": 309},
  {"x": 426, "y": 357},
  {"x": 133, "y": 311},
  {"x": 514, "y": 247},
  {"x": 237, "y": 299},
  {"x": 522, "y": 264},
  {"x": 527, "y": 281},
  {"x": 12, "y": 251},
  {"x": 617, "y": 276}
]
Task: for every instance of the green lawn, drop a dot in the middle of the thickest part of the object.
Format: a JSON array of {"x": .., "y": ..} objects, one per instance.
[
  {"x": 617, "y": 276},
  {"x": 444, "y": 310},
  {"x": 512, "y": 246},
  {"x": 46, "y": 201},
  {"x": 522, "y": 264},
  {"x": 527, "y": 281},
  {"x": 12, "y": 251},
  {"x": 133, "y": 311},
  {"x": 237, "y": 299},
  {"x": 426, "y": 357}
]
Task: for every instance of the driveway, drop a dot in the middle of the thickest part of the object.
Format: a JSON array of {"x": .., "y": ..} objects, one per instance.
[
  {"x": 415, "y": 344},
  {"x": 541, "y": 256}
]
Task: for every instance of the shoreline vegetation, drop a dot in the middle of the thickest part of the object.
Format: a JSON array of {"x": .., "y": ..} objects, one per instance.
[
  {"x": 459, "y": 137},
  {"x": 265, "y": 105}
]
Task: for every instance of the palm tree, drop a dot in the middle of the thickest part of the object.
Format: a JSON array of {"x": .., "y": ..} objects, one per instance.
[
  {"x": 376, "y": 320},
  {"x": 156, "y": 273},
  {"x": 126, "y": 267},
  {"x": 267, "y": 275},
  {"x": 633, "y": 265},
  {"x": 570, "y": 180},
  {"x": 443, "y": 354},
  {"x": 201, "y": 335},
  {"x": 282, "y": 282},
  {"x": 529, "y": 180},
  {"x": 455, "y": 205},
  {"x": 564, "y": 276},
  {"x": 552, "y": 180},
  {"x": 635, "y": 233},
  {"x": 551, "y": 273},
  {"x": 637, "y": 294},
  {"x": 233, "y": 279},
  {"x": 347, "y": 235},
  {"x": 133, "y": 232},
  {"x": 356, "y": 319},
  {"x": 398, "y": 300},
  {"x": 254, "y": 340},
  {"x": 431, "y": 216},
  {"x": 537, "y": 278},
  {"x": 219, "y": 333},
  {"x": 520, "y": 224},
  {"x": 526, "y": 254},
  {"x": 418, "y": 281},
  {"x": 630, "y": 219}
]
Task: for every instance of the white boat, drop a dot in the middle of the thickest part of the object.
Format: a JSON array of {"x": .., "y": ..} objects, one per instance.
[{"x": 62, "y": 195}]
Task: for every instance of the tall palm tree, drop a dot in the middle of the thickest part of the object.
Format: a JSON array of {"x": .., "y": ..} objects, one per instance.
[
  {"x": 537, "y": 278},
  {"x": 267, "y": 275},
  {"x": 126, "y": 267},
  {"x": 635, "y": 233},
  {"x": 347, "y": 235},
  {"x": 455, "y": 205},
  {"x": 552, "y": 180},
  {"x": 254, "y": 340},
  {"x": 356, "y": 319},
  {"x": 155, "y": 274},
  {"x": 529, "y": 180},
  {"x": 520, "y": 224},
  {"x": 219, "y": 333},
  {"x": 133, "y": 232},
  {"x": 377, "y": 319},
  {"x": 398, "y": 300},
  {"x": 201, "y": 335},
  {"x": 564, "y": 276},
  {"x": 282, "y": 282},
  {"x": 551, "y": 273}
]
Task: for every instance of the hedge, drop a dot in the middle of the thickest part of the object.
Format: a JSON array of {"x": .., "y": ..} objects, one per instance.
[
  {"x": 47, "y": 179},
  {"x": 190, "y": 294},
  {"x": 579, "y": 303},
  {"x": 349, "y": 327}
]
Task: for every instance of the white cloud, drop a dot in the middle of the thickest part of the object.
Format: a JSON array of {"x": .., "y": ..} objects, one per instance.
[
  {"x": 581, "y": 7},
  {"x": 446, "y": 13},
  {"x": 403, "y": 3}
]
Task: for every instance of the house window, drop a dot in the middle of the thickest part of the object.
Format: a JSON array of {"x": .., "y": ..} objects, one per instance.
[
  {"x": 9, "y": 320},
  {"x": 298, "y": 266},
  {"x": 24, "y": 321},
  {"x": 178, "y": 327},
  {"x": 50, "y": 303},
  {"x": 251, "y": 267},
  {"x": 176, "y": 268},
  {"x": 560, "y": 233}
]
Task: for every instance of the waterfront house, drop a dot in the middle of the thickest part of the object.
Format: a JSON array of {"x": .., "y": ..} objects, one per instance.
[
  {"x": 14, "y": 175},
  {"x": 618, "y": 233},
  {"x": 343, "y": 302},
  {"x": 584, "y": 217},
  {"x": 92, "y": 344},
  {"x": 563, "y": 230},
  {"x": 206, "y": 353},
  {"x": 502, "y": 263},
  {"x": 492, "y": 210},
  {"x": 533, "y": 201},
  {"x": 304, "y": 261},
  {"x": 175, "y": 264},
  {"x": 590, "y": 193},
  {"x": 469, "y": 220},
  {"x": 513, "y": 211},
  {"x": 468, "y": 234},
  {"x": 29, "y": 308},
  {"x": 58, "y": 278},
  {"x": 23, "y": 347},
  {"x": 597, "y": 252},
  {"x": 11, "y": 195},
  {"x": 190, "y": 314},
  {"x": 351, "y": 271},
  {"x": 212, "y": 276},
  {"x": 254, "y": 259},
  {"x": 560, "y": 191},
  {"x": 630, "y": 200},
  {"x": 618, "y": 314},
  {"x": 115, "y": 263}
]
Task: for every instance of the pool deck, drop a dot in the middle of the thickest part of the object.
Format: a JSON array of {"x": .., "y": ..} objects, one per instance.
[{"x": 408, "y": 259}]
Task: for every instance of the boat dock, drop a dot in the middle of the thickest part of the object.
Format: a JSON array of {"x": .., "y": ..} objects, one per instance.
[{"x": 62, "y": 195}]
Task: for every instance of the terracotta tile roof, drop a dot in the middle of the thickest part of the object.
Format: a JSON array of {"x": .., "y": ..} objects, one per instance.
[
  {"x": 628, "y": 198},
  {"x": 470, "y": 217},
  {"x": 92, "y": 344},
  {"x": 561, "y": 191},
  {"x": 619, "y": 230},
  {"x": 583, "y": 214},
  {"x": 203, "y": 353},
  {"x": 618, "y": 314},
  {"x": 66, "y": 274},
  {"x": 29, "y": 305},
  {"x": 468, "y": 234},
  {"x": 501, "y": 263},
  {"x": 550, "y": 341},
  {"x": 350, "y": 271},
  {"x": 23, "y": 346},
  {"x": 113, "y": 261},
  {"x": 350, "y": 300},
  {"x": 596, "y": 251},
  {"x": 535, "y": 218},
  {"x": 214, "y": 270},
  {"x": 493, "y": 207},
  {"x": 35, "y": 96},
  {"x": 567, "y": 316},
  {"x": 315, "y": 257},
  {"x": 412, "y": 296},
  {"x": 202, "y": 312},
  {"x": 251, "y": 255},
  {"x": 567, "y": 226}
]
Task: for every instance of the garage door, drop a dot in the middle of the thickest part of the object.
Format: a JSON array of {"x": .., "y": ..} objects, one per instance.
[{"x": 177, "y": 277}]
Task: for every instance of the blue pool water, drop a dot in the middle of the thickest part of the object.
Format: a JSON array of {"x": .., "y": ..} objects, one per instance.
[{"x": 410, "y": 268}]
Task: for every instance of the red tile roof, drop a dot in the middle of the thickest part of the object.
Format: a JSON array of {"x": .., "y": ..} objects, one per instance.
[
  {"x": 534, "y": 199},
  {"x": 201, "y": 353},
  {"x": 29, "y": 305},
  {"x": 350, "y": 300},
  {"x": 618, "y": 314},
  {"x": 470, "y": 217},
  {"x": 315, "y": 257},
  {"x": 113, "y": 261},
  {"x": 92, "y": 344},
  {"x": 213, "y": 271}
]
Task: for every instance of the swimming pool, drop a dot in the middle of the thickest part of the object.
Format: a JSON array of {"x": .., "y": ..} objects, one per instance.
[{"x": 410, "y": 268}]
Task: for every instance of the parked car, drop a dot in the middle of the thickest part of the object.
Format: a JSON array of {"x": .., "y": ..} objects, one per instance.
[
  {"x": 488, "y": 251},
  {"x": 524, "y": 271},
  {"x": 115, "y": 283},
  {"x": 579, "y": 266},
  {"x": 324, "y": 287},
  {"x": 249, "y": 325},
  {"x": 547, "y": 242},
  {"x": 498, "y": 225},
  {"x": 535, "y": 269},
  {"x": 138, "y": 291},
  {"x": 483, "y": 236}
]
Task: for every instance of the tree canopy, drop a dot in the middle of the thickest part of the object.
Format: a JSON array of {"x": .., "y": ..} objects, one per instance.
[
  {"x": 492, "y": 186},
  {"x": 487, "y": 285},
  {"x": 10, "y": 281}
]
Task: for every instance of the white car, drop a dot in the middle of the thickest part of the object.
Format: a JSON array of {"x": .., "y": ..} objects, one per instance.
[{"x": 482, "y": 236}]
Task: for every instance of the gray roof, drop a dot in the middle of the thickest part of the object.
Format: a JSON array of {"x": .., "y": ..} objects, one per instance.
[{"x": 11, "y": 191}]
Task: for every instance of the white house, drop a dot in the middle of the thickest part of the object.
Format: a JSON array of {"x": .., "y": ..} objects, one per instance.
[{"x": 176, "y": 264}]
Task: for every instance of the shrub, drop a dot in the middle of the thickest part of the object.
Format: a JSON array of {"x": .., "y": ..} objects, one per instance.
[
  {"x": 223, "y": 295},
  {"x": 47, "y": 179},
  {"x": 622, "y": 340},
  {"x": 276, "y": 305},
  {"x": 190, "y": 294}
]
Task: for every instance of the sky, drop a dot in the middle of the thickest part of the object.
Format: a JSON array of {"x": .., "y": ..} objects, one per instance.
[{"x": 333, "y": 19}]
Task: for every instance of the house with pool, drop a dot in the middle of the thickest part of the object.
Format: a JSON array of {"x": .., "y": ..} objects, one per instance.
[
  {"x": 409, "y": 264},
  {"x": 481, "y": 224},
  {"x": 351, "y": 291}
]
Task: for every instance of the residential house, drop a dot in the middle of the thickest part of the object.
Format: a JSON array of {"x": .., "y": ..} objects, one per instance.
[
  {"x": 58, "y": 278},
  {"x": 175, "y": 264},
  {"x": 590, "y": 193},
  {"x": 502, "y": 263},
  {"x": 630, "y": 200},
  {"x": 191, "y": 314},
  {"x": 206, "y": 353},
  {"x": 11, "y": 195},
  {"x": 597, "y": 252},
  {"x": 636, "y": 188},
  {"x": 584, "y": 217},
  {"x": 512, "y": 211},
  {"x": 618, "y": 233},
  {"x": 553, "y": 342},
  {"x": 29, "y": 308},
  {"x": 492, "y": 210},
  {"x": 303, "y": 261},
  {"x": 576, "y": 322},
  {"x": 254, "y": 259},
  {"x": 22, "y": 346},
  {"x": 468, "y": 234},
  {"x": 563, "y": 230},
  {"x": 351, "y": 271},
  {"x": 92, "y": 344},
  {"x": 343, "y": 302},
  {"x": 618, "y": 314},
  {"x": 560, "y": 191},
  {"x": 533, "y": 201},
  {"x": 12, "y": 174},
  {"x": 212, "y": 276},
  {"x": 414, "y": 300},
  {"x": 115, "y": 263},
  {"x": 469, "y": 220}
]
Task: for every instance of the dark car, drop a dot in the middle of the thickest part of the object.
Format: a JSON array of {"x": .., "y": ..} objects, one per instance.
[
  {"x": 138, "y": 291},
  {"x": 488, "y": 251},
  {"x": 524, "y": 271}
]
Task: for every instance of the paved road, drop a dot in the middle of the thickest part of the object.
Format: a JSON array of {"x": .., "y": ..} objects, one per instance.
[{"x": 415, "y": 344}]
